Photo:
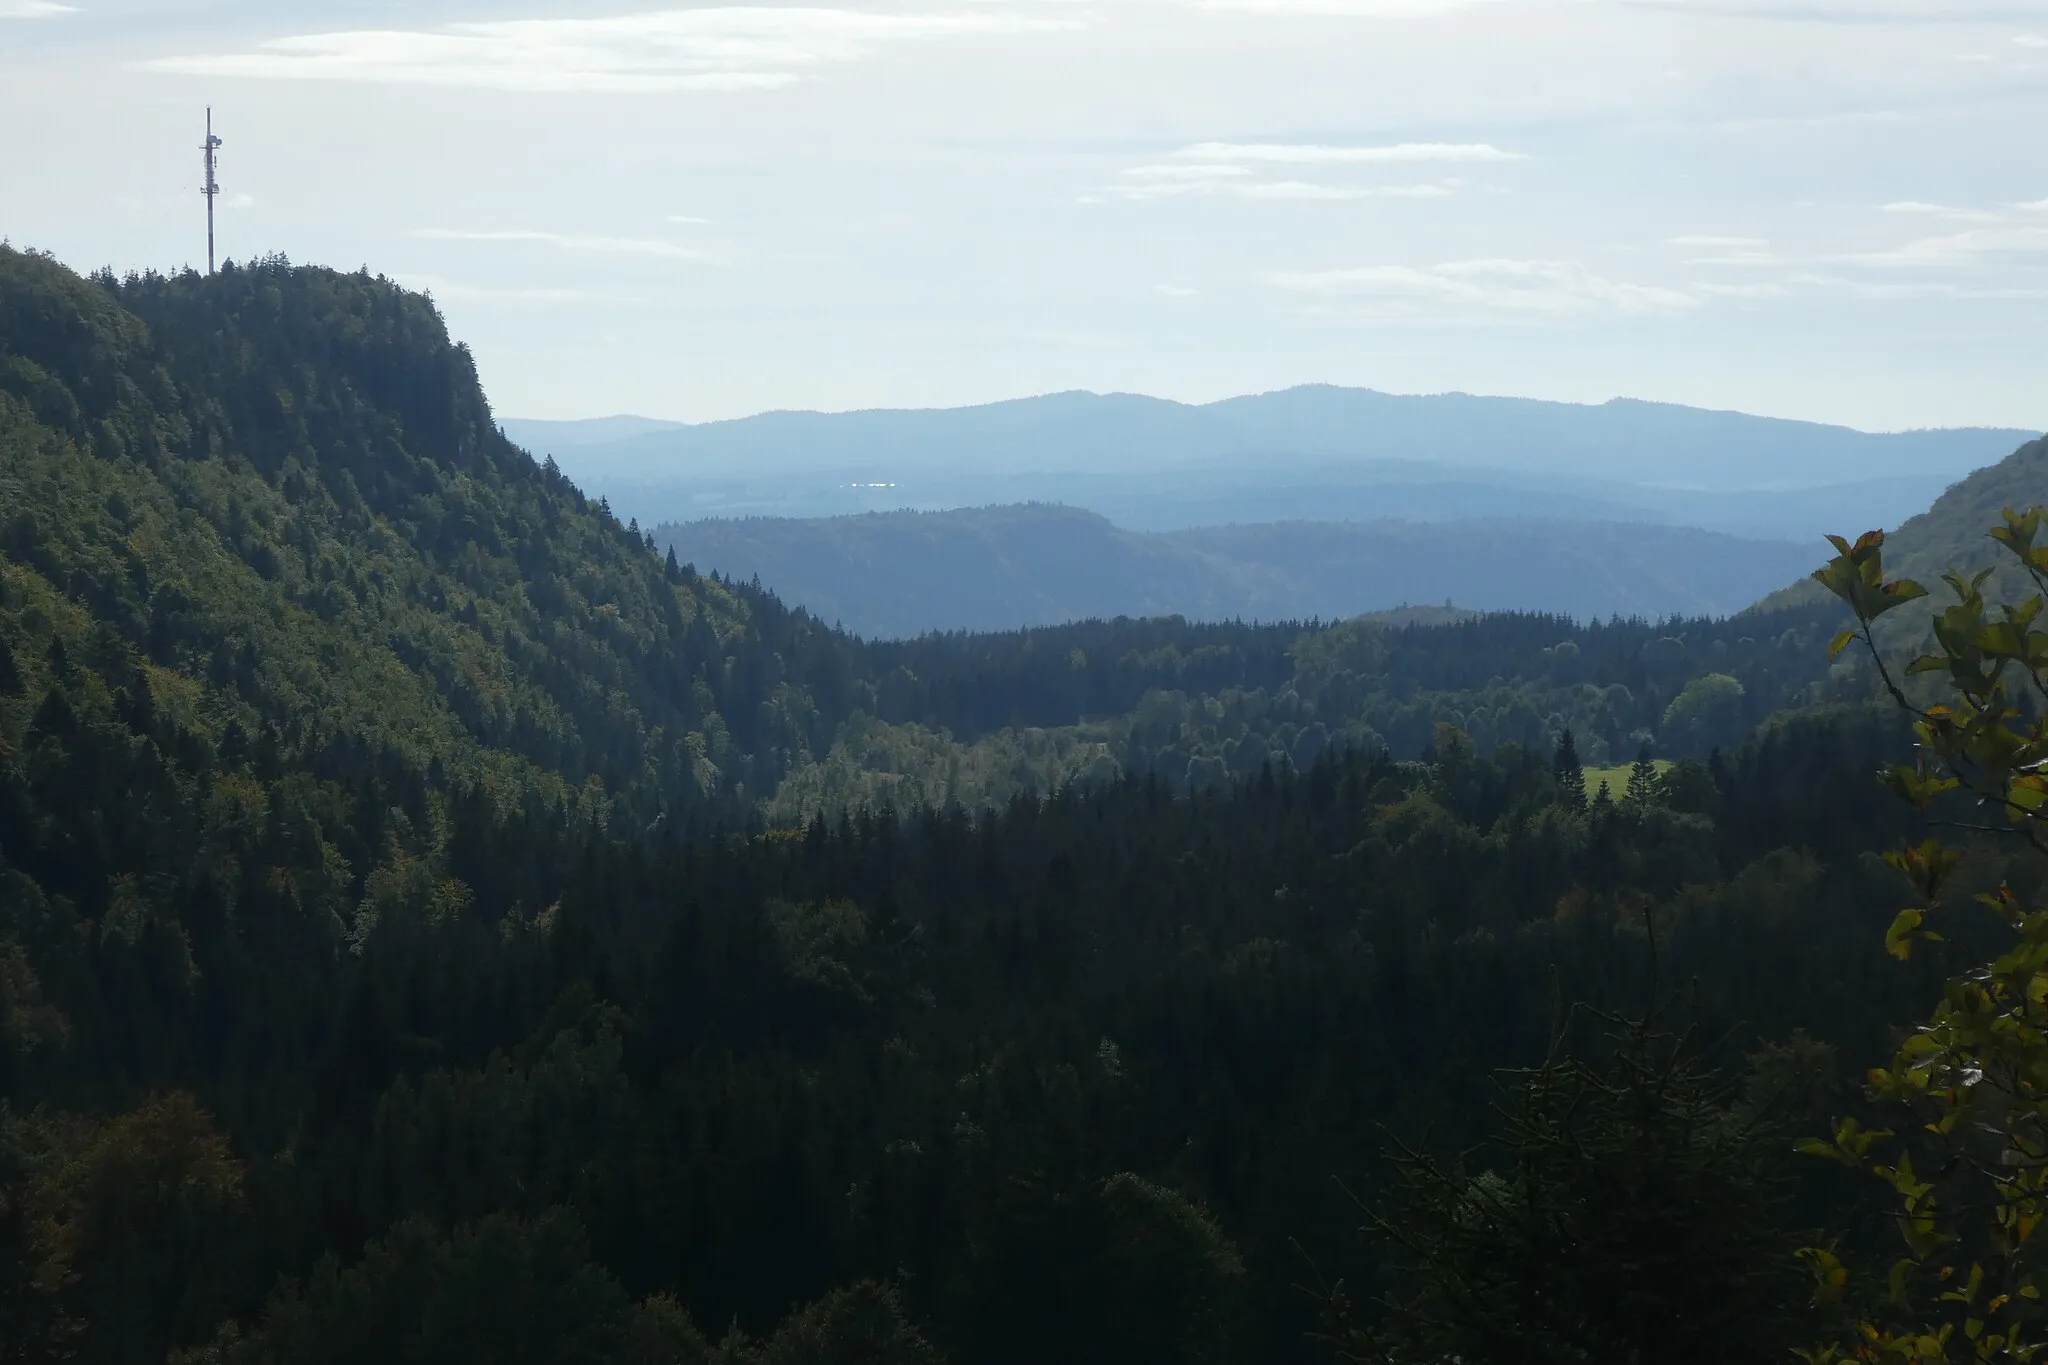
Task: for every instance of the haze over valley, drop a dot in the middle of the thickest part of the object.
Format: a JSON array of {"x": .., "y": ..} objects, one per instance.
[{"x": 1311, "y": 502}]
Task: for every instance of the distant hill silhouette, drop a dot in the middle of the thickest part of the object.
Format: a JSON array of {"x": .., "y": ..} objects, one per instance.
[
  {"x": 1316, "y": 452},
  {"x": 895, "y": 574},
  {"x": 1622, "y": 439}
]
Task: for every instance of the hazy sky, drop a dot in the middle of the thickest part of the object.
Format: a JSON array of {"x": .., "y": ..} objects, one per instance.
[{"x": 1824, "y": 208}]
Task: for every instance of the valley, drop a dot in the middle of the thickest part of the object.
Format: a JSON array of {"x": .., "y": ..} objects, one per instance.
[
  {"x": 1308, "y": 503},
  {"x": 441, "y": 920}
]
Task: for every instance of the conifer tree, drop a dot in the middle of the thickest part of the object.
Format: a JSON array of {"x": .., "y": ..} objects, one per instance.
[
  {"x": 1634, "y": 1215},
  {"x": 1642, "y": 779},
  {"x": 1571, "y": 776}
]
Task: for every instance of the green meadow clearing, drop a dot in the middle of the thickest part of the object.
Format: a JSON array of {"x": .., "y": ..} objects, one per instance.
[{"x": 1616, "y": 777}]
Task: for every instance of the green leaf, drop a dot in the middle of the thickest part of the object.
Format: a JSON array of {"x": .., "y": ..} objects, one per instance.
[
  {"x": 1897, "y": 593},
  {"x": 1926, "y": 866},
  {"x": 1898, "y": 940}
]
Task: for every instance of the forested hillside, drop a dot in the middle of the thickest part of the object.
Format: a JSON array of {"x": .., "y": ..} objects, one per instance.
[
  {"x": 1952, "y": 535},
  {"x": 273, "y": 508},
  {"x": 436, "y": 927},
  {"x": 897, "y": 574},
  {"x": 984, "y": 717}
]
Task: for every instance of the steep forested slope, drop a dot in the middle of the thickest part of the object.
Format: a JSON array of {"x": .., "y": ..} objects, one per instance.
[
  {"x": 1949, "y": 535},
  {"x": 277, "y": 498},
  {"x": 896, "y": 574},
  {"x": 298, "y": 656}
]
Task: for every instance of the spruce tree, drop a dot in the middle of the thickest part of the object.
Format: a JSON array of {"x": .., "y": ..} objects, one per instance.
[
  {"x": 1571, "y": 776},
  {"x": 1642, "y": 779},
  {"x": 1634, "y": 1212}
]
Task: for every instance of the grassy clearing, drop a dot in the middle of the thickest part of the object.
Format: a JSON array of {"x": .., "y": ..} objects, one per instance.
[{"x": 1616, "y": 778}]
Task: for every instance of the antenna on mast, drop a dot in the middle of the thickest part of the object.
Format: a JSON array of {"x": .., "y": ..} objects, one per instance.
[{"x": 212, "y": 187}]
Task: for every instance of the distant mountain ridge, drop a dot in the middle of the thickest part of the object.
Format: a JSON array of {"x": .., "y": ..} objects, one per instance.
[
  {"x": 1314, "y": 452},
  {"x": 585, "y": 431},
  {"x": 1623, "y": 439},
  {"x": 902, "y": 574}
]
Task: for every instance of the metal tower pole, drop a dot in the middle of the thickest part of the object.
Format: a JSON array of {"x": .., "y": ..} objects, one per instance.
[{"x": 212, "y": 187}]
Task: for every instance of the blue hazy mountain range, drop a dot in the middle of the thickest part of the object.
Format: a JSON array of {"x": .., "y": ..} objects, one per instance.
[
  {"x": 1313, "y": 453},
  {"x": 897, "y": 574}
]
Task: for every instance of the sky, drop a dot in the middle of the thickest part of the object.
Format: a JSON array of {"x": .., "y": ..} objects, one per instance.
[{"x": 1830, "y": 209}]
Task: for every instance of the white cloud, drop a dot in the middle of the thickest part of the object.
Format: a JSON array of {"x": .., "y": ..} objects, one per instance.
[
  {"x": 1919, "y": 289},
  {"x": 2031, "y": 40},
  {"x": 1960, "y": 248},
  {"x": 1839, "y": 118},
  {"x": 1442, "y": 189},
  {"x": 1496, "y": 289},
  {"x": 1363, "y": 9},
  {"x": 685, "y": 220},
  {"x": 241, "y": 201},
  {"x": 33, "y": 9},
  {"x": 2035, "y": 206},
  {"x": 612, "y": 246},
  {"x": 1764, "y": 290},
  {"x": 1234, "y": 182},
  {"x": 1845, "y": 11},
  {"x": 1298, "y": 189},
  {"x": 1236, "y": 169},
  {"x": 1197, "y": 171},
  {"x": 446, "y": 289},
  {"x": 1725, "y": 250},
  {"x": 1297, "y": 153},
  {"x": 1916, "y": 207},
  {"x": 1301, "y": 189},
  {"x": 1176, "y": 291},
  {"x": 718, "y": 48}
]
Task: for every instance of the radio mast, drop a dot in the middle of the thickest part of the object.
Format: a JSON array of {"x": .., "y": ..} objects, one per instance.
[{"x": 212, "y": 186}]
